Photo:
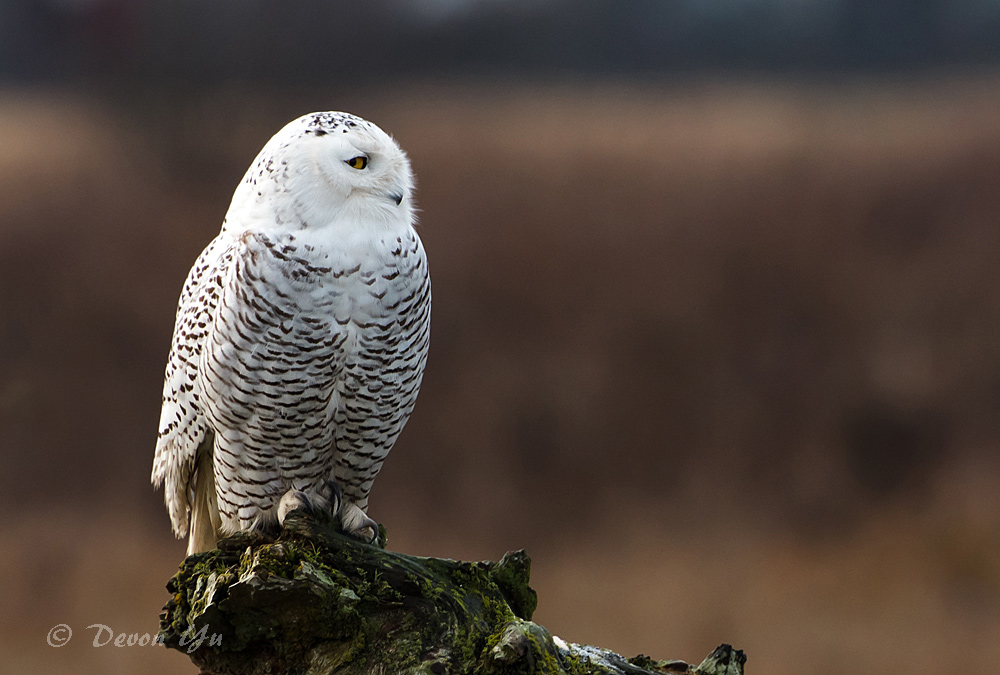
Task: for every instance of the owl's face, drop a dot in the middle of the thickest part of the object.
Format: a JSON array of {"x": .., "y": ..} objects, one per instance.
[
  {"x": 357, "y": 158},
  {"x": 332, "y": 167}
]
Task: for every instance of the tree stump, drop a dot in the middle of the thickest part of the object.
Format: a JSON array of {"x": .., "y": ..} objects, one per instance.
[{"x": 314, "y": 601}]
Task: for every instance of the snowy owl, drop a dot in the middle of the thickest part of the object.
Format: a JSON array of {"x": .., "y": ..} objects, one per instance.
[{"x": 300, "y": 339}]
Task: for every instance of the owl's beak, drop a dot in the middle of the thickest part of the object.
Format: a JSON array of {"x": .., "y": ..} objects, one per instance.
[{"x": 396, "y": 197}]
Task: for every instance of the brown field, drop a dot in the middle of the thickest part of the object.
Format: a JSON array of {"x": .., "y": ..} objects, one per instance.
[{"x": 724, "y": 358}]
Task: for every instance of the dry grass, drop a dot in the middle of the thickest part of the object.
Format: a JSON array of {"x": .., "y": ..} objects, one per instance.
[{"x": 721, "y": 357}]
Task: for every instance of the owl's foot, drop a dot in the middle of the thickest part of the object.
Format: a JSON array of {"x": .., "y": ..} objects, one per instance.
[
  {"x": 324, "y": 505},
  {"x": 329, "y": 505},
  {"x": 355, "y": 522}
]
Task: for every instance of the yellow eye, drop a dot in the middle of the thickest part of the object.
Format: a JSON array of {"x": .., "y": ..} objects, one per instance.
[{"x": 358, "y": 162}]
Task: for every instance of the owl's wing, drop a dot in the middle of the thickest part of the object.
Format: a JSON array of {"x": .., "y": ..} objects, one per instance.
[{"x": 183, "y": 425}]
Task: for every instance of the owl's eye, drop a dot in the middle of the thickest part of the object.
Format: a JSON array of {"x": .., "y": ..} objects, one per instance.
[{"x": 358, "y": 162}]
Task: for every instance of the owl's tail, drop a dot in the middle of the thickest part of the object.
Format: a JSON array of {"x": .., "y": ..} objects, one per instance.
[{"x": 205, "y": 519}]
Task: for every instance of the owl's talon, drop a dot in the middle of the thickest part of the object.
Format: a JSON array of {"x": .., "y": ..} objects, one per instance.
[
  {"x": 336, "y": 496},
  {"x": 355, "y": 522},
  {"x": 293, "y": 500}
]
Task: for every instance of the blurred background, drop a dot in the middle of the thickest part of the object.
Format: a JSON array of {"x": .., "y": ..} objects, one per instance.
[{"x": 716, "y": 307}]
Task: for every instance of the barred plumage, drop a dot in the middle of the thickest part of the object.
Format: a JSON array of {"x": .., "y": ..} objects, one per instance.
[{"x": 301, "y": 335}]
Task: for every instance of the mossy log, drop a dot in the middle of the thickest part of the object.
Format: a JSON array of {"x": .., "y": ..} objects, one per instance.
[{"x": 314, "y": 601}]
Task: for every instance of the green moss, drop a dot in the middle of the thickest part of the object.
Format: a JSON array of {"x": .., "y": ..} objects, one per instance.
[
  {"x": 574, "y": 664},
  {"x": 511, "y": 576},
  {"x": 723, "y": 661}
]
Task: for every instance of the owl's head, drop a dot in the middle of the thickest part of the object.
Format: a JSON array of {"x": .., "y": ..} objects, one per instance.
[{"x": 331, "y": 168}]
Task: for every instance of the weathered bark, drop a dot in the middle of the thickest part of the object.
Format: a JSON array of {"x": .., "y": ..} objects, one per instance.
[{"x": 315, "y": 602}]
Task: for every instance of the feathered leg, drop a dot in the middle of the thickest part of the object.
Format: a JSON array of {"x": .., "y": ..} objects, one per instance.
[{"x": 206, "y": 522}]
